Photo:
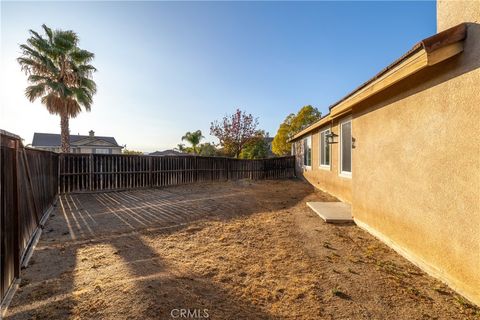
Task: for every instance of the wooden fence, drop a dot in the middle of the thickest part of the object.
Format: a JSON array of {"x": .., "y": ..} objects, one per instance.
[
  {"x": 95, "y": 172},
  {"x": 28, "y": 188},
  {"x": 30, "y": 180}
]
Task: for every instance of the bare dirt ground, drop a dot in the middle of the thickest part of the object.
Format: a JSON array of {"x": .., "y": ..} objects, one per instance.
[{"x": 240, "y": 250}]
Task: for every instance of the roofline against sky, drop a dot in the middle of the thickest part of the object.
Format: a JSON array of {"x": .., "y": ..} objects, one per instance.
[{"x": 427, "y": 52}]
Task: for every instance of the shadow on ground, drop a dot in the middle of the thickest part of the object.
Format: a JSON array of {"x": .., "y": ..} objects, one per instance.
[
  {"x": 240, "y": 250},
  {"x": 92, "y": 250}
]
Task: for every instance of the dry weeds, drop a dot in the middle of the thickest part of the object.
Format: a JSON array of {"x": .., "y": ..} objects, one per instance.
[{"x": 241, "y": 250}]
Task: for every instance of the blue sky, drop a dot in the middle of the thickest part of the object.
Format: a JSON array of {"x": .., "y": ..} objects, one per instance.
[{"x": 165, "y": 68}]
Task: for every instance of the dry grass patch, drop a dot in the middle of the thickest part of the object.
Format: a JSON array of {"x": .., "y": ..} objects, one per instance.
[{"x": 241, "y": 250}]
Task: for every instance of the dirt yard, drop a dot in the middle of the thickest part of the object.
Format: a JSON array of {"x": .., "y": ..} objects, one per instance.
[{"x": 236, "y": 250}]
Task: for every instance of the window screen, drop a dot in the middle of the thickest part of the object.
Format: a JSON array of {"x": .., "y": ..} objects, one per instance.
[
  {"x": 346, "y": 142},
  {"x": 324, "y": 148},
  {"x": 307, "y": 151}
]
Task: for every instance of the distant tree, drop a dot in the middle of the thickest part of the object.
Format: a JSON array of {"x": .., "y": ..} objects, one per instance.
[
  {"x": 207, "y": 150},
  {"x": 256, "y": 148},
  {"x": 221, "y": 152},
  {"x": 181, "y": 147},
  {"x": 131, "y": 152},
  {"x": 60, "y": 74},
  {"x": 304, "y": 117},
  {"x": 292, "y": 124},
  {"x": 234, "y": 131},
  {"x": 280, "y": 146},
  {"x": 194, "y": 139}
]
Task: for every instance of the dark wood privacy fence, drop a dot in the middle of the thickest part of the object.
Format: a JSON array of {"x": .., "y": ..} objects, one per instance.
[
  {"x": 95, "y": 172},
  {"x": 28, "y": 188},
  {"x": 30, "y": 180}
]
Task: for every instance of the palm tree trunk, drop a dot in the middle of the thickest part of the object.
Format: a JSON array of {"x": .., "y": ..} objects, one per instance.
[{"x": 65, "y": 132}]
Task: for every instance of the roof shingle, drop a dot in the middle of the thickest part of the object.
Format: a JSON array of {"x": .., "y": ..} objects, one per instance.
[{"x": 53, "y": 139}]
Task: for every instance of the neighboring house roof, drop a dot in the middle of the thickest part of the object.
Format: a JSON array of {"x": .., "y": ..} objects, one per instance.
[
  {"x": 54, "y": 140},
  {"x": 169, "y": 152},
  {"x": 427, "y": 52}
]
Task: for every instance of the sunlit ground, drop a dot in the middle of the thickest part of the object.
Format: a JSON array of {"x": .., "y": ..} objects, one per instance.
[{"x": 236, "y": 250}]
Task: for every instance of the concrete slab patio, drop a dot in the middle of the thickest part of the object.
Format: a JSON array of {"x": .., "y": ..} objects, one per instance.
[{"x": 332, "y": 212}]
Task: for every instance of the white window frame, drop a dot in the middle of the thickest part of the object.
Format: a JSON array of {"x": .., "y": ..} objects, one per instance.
[
  {"x": 320, "y": 151},
  {"x": 344, "y": 174},
  {"x": 303, "y": 153}
]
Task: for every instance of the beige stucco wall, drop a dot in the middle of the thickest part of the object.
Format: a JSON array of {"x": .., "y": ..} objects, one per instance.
[
  {"x": 417, "y": 168},
  {"x": 416, "y": 165},
  {"x": 326, "y": 179},
  {"x": 453, "y": 12}
]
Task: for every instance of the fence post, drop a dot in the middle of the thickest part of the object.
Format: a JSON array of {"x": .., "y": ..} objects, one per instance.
[
  {"x": 294, "y": 166},
  {"x": 264, "y": 165},
  {"x": 29, "y": 186},
  {"x": 16, "y": 213},
  {"x": 90, "y": 171},
  {"x": 150, "y": 175},
  {"x": 59, "y": 177},
  {"x": 195, "y": 170},
  {"x": 227, "y": 166}
]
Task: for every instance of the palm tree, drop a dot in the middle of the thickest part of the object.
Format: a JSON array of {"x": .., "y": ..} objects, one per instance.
[
  {"x": 180, "y": 147},
  {"x": 194, "y": 139},
  {"x": 60, "y": 75}
]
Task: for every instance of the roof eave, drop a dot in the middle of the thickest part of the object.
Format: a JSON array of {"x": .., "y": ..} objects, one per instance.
[
  {"x": 428, "y": 52},
  {"x": 324, "y": 120}
]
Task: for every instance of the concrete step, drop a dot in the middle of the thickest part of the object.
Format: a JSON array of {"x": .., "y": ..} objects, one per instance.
[{"x": 332, "y": 212}]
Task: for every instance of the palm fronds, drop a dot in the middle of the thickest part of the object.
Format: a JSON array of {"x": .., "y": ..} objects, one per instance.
[
  {"x": 59, "y": 72},
  {"x": 193, "y": 138}
]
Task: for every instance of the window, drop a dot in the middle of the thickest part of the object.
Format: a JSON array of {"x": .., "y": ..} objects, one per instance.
[
  {"x": 324, "y": 149},
  {"x": 307, "y": 151},
  {"x": 346, "y": 148},
  {"x": 102, "y": 151}
]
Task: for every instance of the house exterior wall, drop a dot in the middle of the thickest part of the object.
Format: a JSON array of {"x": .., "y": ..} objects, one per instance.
[
  {"x": 94, "y": 150},
  {"x": 416, "y": 162},
  {"x": 417, "y": 176},
  {"x": 324, "y": 179},
  {"x": 416, "y": 166},
  {"x": 450, "y": 13},
  {"x": 115, "y": 150}
]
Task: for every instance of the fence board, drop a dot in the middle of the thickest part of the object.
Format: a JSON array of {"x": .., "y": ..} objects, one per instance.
[
  {"x": 28, "y": 187},
  {"x": 80, "y": 173},
  {"x": 30, "y": 179}
]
